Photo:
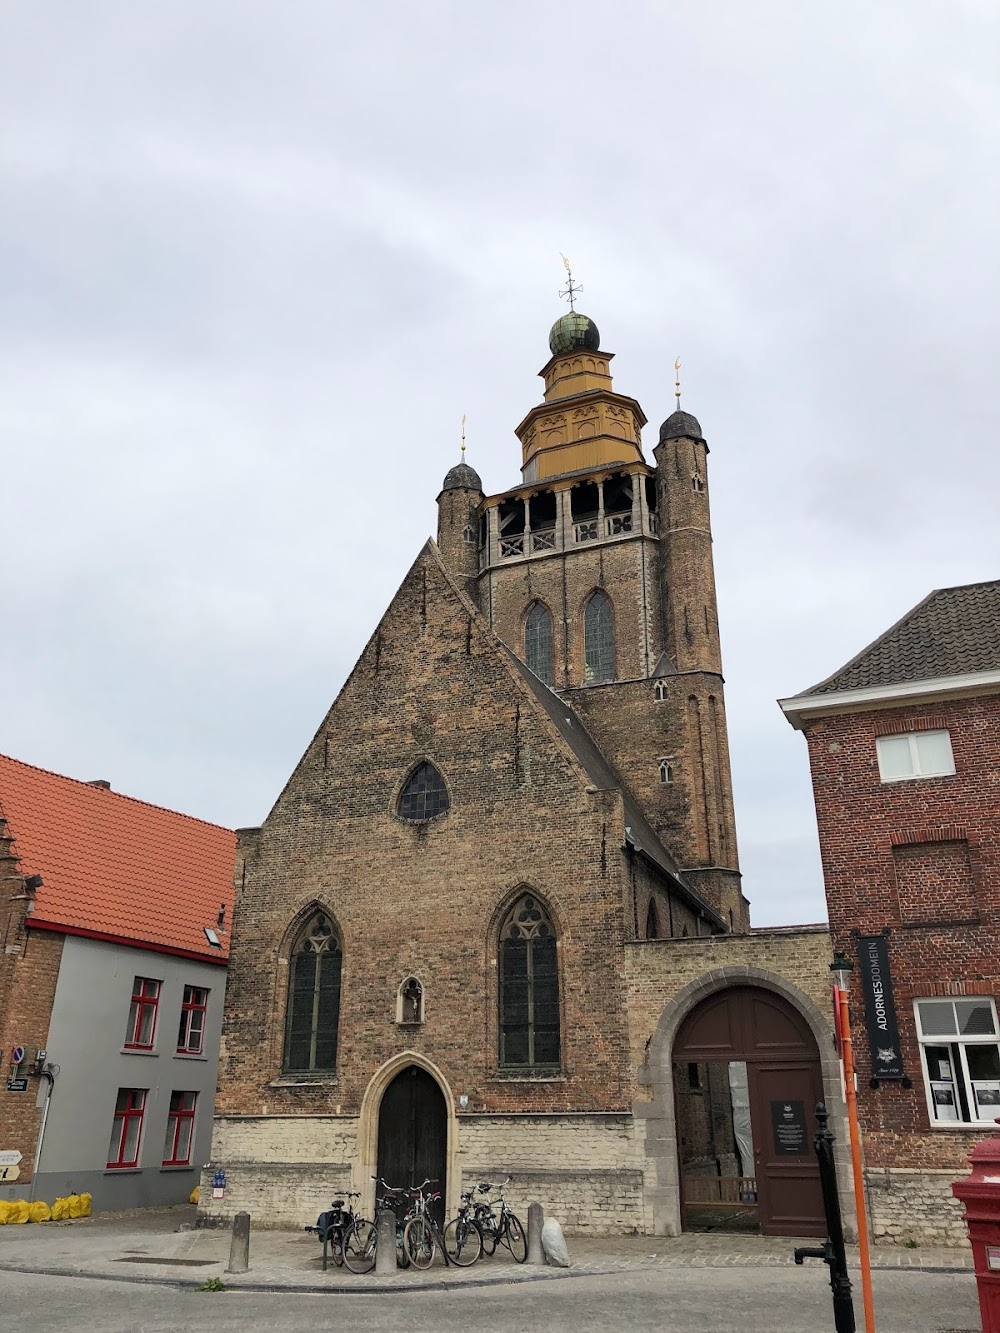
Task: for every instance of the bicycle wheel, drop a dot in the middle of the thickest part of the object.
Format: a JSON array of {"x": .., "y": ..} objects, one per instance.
[
  {"x": 488, "y": 1230},
  {"x": 359, "y": 1247},
  {"x": 419, "y": 1242},
  {"x": 463, "y": 1242},
  {"x": 515, "y": 1239},
  {"x": 337, "y": 1248}
]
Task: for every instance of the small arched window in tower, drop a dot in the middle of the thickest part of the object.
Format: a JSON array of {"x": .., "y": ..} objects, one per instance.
[
  {"x": 660, "y": 691},
  {"x": 410, "y": 1002},
  {"x": 529, "y": 988},
  {"x": 598, "y": 639},
  {"x": 424, "y": 795},
  {"x": 666, "y": 771},
  {"x": 313, "y": 1013},
  {"x": 538, "y": 641},
  {"x": 652, "y": 921},
  {"x": 697, "y": 483},
  {"x": 469, "y": 536}
]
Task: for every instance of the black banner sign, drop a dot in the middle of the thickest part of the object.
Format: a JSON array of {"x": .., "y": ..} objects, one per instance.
[{"x": 880, "y": 1011}]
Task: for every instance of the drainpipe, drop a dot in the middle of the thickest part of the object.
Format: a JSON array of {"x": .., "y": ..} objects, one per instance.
[{"x": 47, "y": 1074}]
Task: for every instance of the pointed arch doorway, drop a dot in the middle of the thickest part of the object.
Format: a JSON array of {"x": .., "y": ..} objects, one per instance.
[
  {"x": 747, "y": 1077},
  {"x": 413, "y": 1132}
]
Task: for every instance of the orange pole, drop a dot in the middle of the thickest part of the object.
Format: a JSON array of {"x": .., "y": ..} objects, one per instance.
[{"x": 859, "y": 1184}]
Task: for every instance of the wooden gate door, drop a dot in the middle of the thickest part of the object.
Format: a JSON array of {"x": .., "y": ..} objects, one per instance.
[
  {"x": 413, "y": 1132},
  {"x": 751, "y": 1024}
]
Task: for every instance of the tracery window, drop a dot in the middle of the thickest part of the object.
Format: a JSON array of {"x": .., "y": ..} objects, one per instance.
[
  {"x": 538, "y": 642},
  {"x": 313, "y": 998},
  {"x": 598, "y": 639},
  {"x": 529, "y": 988},
  {"x": 424, "y": 795}
]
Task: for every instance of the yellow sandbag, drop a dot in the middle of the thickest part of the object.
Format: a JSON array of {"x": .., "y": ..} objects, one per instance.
[
  {"x": 4, "y": 1211},
  {"x": 39, "y": 1212},
  {"x": 74, "y": 1205},
  {"x": 195, "y": 1195},
  {"x": 85, "y": 1201},
  {"x": 60, "y": 1210},
  {"x": 19, "y": 1211}
]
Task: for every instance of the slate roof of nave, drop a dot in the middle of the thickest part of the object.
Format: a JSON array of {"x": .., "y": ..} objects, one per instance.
[
  {"x": 952, "y": 632},
  {"x": 638, "y": 830}
]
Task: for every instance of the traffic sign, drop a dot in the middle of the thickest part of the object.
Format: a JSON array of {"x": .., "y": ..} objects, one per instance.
[
  {"x": 9, "y": 1173},
  {"x": 17, "y": 1055},
  {"x": 9, "y": 1157}
]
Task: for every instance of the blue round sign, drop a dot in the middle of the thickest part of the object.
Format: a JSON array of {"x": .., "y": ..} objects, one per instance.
[{"x": 17, "y": 1055}]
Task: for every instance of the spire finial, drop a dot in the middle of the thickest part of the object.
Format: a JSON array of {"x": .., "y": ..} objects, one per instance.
[
  {"x": 677, "y": 381},
  {"x": 571, "y": 288},
  {"x": 463, "y": 438}
]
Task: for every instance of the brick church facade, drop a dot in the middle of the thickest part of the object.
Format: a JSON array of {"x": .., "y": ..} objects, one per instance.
[{"x": 493, "y": 923}]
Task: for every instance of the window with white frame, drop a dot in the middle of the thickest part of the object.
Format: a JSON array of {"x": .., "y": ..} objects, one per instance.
[
  {"x": 916, "y": 754},
  {"x": 960, "y": 1053}
]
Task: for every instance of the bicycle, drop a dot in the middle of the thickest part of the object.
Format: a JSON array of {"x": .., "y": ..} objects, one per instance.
[
  {"x": 421, "y": 1234},
  {"x": 333, "y": 1225},
  {"x": 361, "y": 1240},
  {"x": 505, "y": 1230},
  {"x": 463, "y": 1239}
]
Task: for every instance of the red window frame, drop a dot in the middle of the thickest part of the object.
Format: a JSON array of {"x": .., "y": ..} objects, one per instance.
[
  {"x": 191, "y": 1032},
  {"x": 129, "y": 1110},
  {"x": 145, "y": 1000},
  {"x": 180, "y": 1129}
]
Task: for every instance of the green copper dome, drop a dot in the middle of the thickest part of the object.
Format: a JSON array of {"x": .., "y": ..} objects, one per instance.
[{"x": 572, "y": 332}]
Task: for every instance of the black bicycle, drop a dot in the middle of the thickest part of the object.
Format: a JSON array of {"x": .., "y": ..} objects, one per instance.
[
  {"x": 361, "y": 1240},
  {"x": 422, "y": 1236},
  {"x": 463, "y": 1239},
  {"x": 503, "y": 1230},
  {"x": 333, "y": 1225}
]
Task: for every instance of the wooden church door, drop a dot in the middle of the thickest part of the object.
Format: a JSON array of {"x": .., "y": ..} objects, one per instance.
[{"x": 413, "y": 1133}]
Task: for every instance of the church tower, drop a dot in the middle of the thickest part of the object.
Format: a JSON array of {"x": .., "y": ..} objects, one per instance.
[{"x": 597, "y": 571}]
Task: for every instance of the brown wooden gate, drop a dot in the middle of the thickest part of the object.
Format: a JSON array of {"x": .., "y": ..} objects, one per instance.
[
  {"x": 413, "y": 1132},
  {"x": 755, "y": 1026}
]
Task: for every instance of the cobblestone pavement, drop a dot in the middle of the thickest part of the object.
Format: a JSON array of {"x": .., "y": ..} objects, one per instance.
[{"x": 146, "y": 1245}]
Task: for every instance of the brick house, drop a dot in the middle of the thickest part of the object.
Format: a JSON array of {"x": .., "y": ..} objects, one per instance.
[
  {"x": 115, "y": 921},
  {"x": 496, "y": 908},
  {"x": 904, "y": 748}
]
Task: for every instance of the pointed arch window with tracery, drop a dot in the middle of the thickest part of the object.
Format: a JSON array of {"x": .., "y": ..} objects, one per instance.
[
  {"x": 598, "y": 639},
  {"x": 529, "y": 988},
  {"x": 313, "y": 1014},
  {"x": 424, "y": 795},
  {"x": 538, "y": 641}
]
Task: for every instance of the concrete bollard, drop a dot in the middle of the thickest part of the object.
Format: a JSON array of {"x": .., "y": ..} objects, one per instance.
[
  {"x": 385, "y": 1246},
  {"x": 536, "y": 1216},
  {"x": 239, "y": 1249}
]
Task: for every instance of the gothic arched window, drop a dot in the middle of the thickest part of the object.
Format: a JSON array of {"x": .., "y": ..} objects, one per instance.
[
  {"x": 538, "y": 641},
  {"x": 313, "y": 998},
  {"x": 424, "y": 795},
  {"x": 652, "y": 923},
  {"x": 598, "y": 639},
  {"x": 529, "y": 988}
]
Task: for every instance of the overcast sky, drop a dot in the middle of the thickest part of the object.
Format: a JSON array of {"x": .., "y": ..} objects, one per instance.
[{"x": 261, "y": 257}]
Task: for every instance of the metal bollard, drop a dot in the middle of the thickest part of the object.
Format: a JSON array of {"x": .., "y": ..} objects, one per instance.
[
  {"x": 832, "y": 1251},
  {"x": 536, "y": 1216},
  {"x": 385, "y": 1243},
  {"x": 239, "y": 1249}
]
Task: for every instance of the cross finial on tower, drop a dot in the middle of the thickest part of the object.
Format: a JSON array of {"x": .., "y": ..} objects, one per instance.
[
  {"x": 571, "y": 288},
  {"x": 677, "y": 381}
]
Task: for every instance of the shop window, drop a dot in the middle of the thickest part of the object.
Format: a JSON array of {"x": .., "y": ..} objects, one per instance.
[
  {"x": 529, "y": 988},
  {"x": 191, "y": 1033},
  {"x": 142, "y": 1014},
  {"x": 313, "y": 1014},
  {"x": 916, "y": 754},
  {"x": 960, "y": 1053},
  {"x": 126, "y": 1133},
  {"x": 180, "y": 1129},
  {"x": 424, "y": 795}
]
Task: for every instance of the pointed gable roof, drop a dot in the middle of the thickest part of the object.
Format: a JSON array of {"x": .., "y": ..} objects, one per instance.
[
  {"x": 116, "y": 868},
  {"x": 952, "y": 632}
]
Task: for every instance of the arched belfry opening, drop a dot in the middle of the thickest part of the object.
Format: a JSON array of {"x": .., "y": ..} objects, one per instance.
[{"x": 747, "y": 1077}]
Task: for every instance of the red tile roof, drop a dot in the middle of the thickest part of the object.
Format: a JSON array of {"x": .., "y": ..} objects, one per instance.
[{"x": 117, "y": 868}]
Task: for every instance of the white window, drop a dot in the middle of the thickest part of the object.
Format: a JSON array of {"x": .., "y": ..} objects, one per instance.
[
  {"x": 961, "y": 1060},
  {"x": 917, "y": 754},
  {"x": 666, "y": 770}
]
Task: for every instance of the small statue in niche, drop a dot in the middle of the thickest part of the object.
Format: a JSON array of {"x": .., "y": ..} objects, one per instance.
[{"x": 412, "y": 996}]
